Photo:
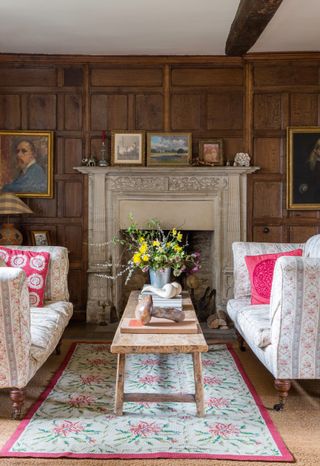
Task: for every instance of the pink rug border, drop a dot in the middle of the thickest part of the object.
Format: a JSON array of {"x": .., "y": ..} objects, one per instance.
[{"x": 286, "y": 455}]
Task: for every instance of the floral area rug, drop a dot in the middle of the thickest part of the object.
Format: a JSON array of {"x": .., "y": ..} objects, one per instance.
[{"x": 74, "y": 416}]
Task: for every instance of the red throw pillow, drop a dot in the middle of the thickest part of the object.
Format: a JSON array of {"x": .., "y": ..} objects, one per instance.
[
  {"x": 260, "y": 270},
  {"x": 35, "y": 265}
]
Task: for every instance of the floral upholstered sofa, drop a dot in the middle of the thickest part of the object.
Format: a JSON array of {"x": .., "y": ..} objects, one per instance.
[
  {"x": 284, "y": 334},
  {"x": 28, "y": 335}
]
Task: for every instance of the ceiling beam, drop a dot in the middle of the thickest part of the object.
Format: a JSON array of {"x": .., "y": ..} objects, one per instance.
[{"x": 251, "y": 19}]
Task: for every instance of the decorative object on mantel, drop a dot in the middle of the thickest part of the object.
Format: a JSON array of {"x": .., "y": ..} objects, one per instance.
[
  {"x": 210, "y": 152},
  {"x": 103, "y": 162},
  {"x": 241, "y": 159},
  {"x": 127, "y": 148},
  {"x": 91, "y": 161}
]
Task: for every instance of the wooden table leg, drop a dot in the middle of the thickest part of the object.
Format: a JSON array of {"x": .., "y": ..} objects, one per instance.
[
  {"x": 198, "y": 381},
  {"x": 118, "y": 404}
]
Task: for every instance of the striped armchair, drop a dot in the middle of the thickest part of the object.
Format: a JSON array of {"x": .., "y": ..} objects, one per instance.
[
  {"x": 285, "y": 334},
  {"x": 28, "y": 335}
]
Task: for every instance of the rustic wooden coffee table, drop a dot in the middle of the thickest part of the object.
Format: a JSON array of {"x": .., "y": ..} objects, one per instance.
[{"x": 129, "y": 343}]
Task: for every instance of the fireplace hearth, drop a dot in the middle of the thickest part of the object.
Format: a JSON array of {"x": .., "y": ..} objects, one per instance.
[{"x": 209, "y": 203}]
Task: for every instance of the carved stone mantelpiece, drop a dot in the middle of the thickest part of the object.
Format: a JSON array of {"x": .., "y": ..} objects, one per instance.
[{"x": 190, "y": 198}]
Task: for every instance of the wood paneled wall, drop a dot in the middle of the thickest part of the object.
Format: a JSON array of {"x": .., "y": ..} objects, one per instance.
[{"x": 249, "y": 103}]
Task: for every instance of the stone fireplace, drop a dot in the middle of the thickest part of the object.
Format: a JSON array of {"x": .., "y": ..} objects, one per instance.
[{"x": 195, "y": 199}]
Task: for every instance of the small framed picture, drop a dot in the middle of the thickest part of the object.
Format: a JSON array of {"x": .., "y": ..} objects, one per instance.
[
  {"x": 169, "y": 149},
  {"x": 211, "y": 152},
  {"x": 127, "y": 147},
  {"x": 40, "y": 238}
]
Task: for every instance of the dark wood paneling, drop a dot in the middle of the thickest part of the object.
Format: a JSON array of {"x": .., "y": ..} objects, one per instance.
[
  {"x": 267, "y": 153},
  {"x": 185, "y": 112},
  {"x": 207, "y": 77},
  {"x": 267, "y": 199},
  {"x": 109, "y": 112},
  {"x": 225, "y": 111},
  {"x": 42, "y": 111},
  {"x": 73, "y": 112},
  {"x": 300, "y": 234},
  {"x": 73, "y": 192},
  {"x": 10, "y": 111},
  {"x": 304, "y": 109},
  {"x": 35, "y": 76},
  {"x": 126, "y": 77},
  {"x": 286, "y": 75},
  {"x": 72, "y": 154},
  {"x": 268, "y": 234},
  {"x": 267, "y": 111},
  {"x": 149, "y": 112}
]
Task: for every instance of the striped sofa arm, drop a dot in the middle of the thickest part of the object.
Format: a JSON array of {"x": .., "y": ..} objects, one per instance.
[
  {"x": 15, "y": 338},
  {"x": 295, "y": 318}
]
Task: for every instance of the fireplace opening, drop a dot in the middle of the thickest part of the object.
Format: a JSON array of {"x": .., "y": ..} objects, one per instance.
[{"x": 201, "y": 284}]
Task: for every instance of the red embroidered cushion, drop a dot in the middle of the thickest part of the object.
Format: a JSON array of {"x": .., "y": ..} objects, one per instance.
[
  {"x": 35, "y": 265},
  {"x": 260, "y": 270}
]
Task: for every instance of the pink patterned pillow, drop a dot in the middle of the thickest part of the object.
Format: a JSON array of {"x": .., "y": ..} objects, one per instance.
[
  {"x": 260, "y": 270},
  {"x": 35, "y": 265}
]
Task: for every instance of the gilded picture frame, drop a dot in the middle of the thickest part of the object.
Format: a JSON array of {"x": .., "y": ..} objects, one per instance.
[
  {"x": 26, "y": 160},
  {"x": 211, "y": 152},
  {"x": 303, "y": 168},
  {"x": 127, "y": 148},
  {"x": 169, "y": 149}
]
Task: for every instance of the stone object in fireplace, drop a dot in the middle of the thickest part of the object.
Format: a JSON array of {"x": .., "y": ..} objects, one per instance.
[{"x": 195, "y": 199}]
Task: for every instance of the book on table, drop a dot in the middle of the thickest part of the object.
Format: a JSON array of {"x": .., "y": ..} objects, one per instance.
[{"x": 158, "y": 301}]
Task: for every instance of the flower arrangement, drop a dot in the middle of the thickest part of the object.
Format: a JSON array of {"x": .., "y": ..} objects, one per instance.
[{"x": 156, "y": 249}]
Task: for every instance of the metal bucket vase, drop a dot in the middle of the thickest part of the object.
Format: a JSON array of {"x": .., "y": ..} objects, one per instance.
[{"x": 159, "y": 278}]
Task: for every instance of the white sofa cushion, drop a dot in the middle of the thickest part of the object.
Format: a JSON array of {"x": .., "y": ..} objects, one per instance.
[
  {"x": 253, "y": 321},
  {"x": 46, "y": 322}
]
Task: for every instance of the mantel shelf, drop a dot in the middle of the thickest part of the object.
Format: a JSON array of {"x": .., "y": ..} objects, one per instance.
[{"x": 173, "y": 171}]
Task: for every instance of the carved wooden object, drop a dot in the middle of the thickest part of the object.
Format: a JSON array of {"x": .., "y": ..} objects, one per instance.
[{"x": 144, "y": 311}]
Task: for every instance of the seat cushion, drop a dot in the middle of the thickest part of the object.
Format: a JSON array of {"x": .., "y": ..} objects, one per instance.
[
  {"x": 253, "y": 321},
  {"x": 47, "y": 326}
]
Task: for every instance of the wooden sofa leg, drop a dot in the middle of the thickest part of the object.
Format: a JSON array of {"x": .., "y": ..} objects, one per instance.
[
  {"x": 17, "y": 397},
  {"x": 241, "y": 342},
  {"x": 283, "y": 387},
  {"x": 58, "y": 347}
]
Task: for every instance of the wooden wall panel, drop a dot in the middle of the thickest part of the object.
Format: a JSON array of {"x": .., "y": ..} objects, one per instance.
[
  {"x": 73, "y": 192},
  {"x": 42, "y": 111},
  {"x": 10, "y": 111},
  {"x": 267, "y": 111},
  {"x": 109, "y": 112},
  {"x": 72, "y": 154},
  {"x": 304, "y": 109},
  {"x": 126, "y": 77},
  {"x": 225, "y": 111},
  {"x": 149, "y": 112},
  {"x": 287, "y": 74},
  {"x": 73, "y": 112},
  {"x": 269, "y": 234},
  {"x": 267, "y": 154},
  {"x": 300, "y": 234},
  {"x": 211, "y": 77},
  {"x": 267, "y": 199},
  {"x": 28, "y": 76},
  {"x": 185, "y": 112}
]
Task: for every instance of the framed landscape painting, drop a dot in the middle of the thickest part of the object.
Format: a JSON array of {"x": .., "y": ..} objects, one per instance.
[
  {"x": 169, "y": 149},
  {"x": 127, "y": 148},
  {"x": 303, "y": 168},
  {"x": 26, "y": 161}
]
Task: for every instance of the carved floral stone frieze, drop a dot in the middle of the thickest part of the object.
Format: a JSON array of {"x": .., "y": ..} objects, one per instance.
[
  {"x": 143, "y": 183},
  {"x": 198, "y": 183}
]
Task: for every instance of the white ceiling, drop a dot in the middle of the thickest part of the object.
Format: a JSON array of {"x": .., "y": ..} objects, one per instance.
[{"x": 147, "y": 27}]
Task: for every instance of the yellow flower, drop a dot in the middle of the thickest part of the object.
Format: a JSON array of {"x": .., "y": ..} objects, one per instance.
[
  {"x": 143, "y": 248},
  {"x": 141, "y": 239},
  {"x": 160, "y": 249},
  {"x": 177, "y": 248},
  {"x": 174, "y": 232},
  {"x": 136, "y": 258},
  {"x": 145, "y": 258},
  {"x": 179, "y": 236},
  {"x": 168, "y": 244},
  {"x": 156, "y": 243}
]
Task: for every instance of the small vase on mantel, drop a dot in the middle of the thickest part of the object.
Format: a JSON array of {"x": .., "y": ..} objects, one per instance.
[{"x": 159, "y": 278}]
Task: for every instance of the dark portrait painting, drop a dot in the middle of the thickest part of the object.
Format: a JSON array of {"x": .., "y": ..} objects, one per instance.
[
  {"x": 303, "y": 168},
  {"x": 26, "y": 163}
]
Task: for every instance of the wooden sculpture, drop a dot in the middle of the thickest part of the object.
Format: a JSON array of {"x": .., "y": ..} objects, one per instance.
[{"x": 145, "y": 311}]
